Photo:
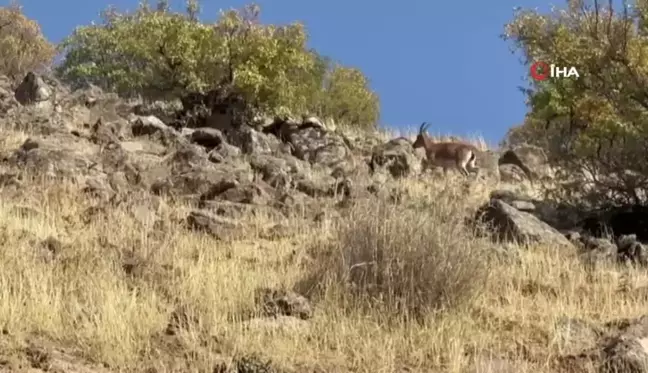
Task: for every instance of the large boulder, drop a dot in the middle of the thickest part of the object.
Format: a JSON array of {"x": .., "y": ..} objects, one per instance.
[
  {"x": 315, "y": 145},
  {"x": 33, "y": 90},
  {"x": 397, "y": 157},
  {"x": 517, "y": 163},
  {"x": 59, "y": 154},
  {"x": 188, "y": 171},
  {"x": 511, "y": 224},
  {"x": 251, "y": 141}
]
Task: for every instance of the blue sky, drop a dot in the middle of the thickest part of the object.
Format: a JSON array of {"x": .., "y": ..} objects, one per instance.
[{"x": 437, "y": 61}]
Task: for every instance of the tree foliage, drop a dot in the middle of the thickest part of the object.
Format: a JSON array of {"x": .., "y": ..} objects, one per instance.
[
  {"x": 595, "y": 126},
  {"x": 159, "y": 54},
  {"x": 347, "y": 97},
  {"x": 22, "y": 44}
]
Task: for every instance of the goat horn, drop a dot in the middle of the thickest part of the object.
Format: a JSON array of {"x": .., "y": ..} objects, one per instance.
[{"x": 423, "y": 127}]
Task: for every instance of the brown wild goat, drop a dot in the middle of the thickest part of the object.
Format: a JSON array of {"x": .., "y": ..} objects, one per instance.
[{"x": 458, "y": 155}]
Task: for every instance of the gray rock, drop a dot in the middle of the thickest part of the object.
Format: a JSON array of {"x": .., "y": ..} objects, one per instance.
[
  {"x": 32, "y": 90},
  {"x": 397, "y": 157},
  {"x": 510, "y": 224},
  {"x": 207, "y": 137},
  {"x": 148, "y": 125}
]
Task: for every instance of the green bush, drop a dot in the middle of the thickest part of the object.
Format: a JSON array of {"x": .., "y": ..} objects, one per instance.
[
  {"x": 22, "y": 43},
  {"x": 162, "y": 54}
]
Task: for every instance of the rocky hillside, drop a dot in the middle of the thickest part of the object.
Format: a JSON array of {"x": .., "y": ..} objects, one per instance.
[{"x": 147, "y": 237}]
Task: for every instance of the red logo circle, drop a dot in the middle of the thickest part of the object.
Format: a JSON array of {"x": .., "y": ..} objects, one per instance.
[{"x": 540, "y": 71}]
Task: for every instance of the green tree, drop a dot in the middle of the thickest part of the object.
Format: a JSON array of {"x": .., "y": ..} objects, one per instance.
[
  {"x": 596, "y": 126},
  {"x": 348, "y": 98},
  {"x": 22, "y": 43},
  {"x": 163, "y": 54},
  {"x": 340, "y": 92},
  {"x": 261, "y": 60},
  {"x": 153, "y": 53}
]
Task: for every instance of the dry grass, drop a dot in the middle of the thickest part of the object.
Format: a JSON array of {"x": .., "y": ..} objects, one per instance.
[
  {"x": 411, "y": 132},
  {"x": 402, "y": 260},
  {"x": 87, "y": 298}
]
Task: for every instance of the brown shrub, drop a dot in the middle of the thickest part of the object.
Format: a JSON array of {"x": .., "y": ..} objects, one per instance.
[
  {"x": 22, "y": 43},
  {"x": 401, "y": 260}
]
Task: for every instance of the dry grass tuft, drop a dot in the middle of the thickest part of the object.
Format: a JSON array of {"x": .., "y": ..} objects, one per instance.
[{"x": 403, "y": 261}]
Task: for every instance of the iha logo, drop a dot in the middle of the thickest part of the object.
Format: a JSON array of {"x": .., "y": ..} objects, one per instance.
[{"x": 543, "y": 71}]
